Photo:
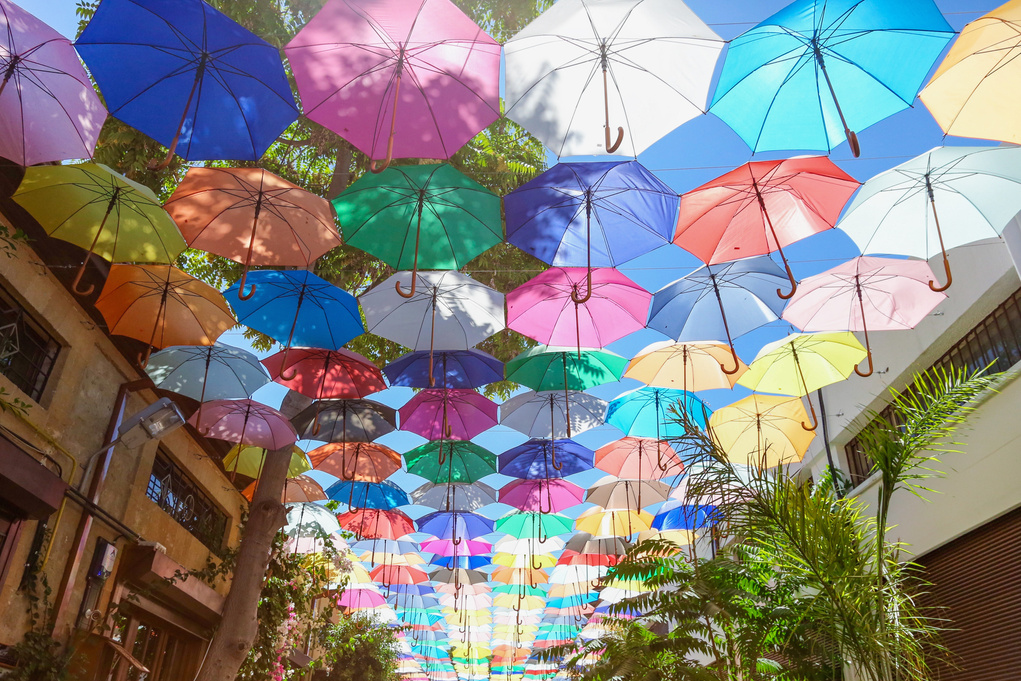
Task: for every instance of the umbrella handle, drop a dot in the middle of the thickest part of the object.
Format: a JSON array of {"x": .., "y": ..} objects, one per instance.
[
  {"x": 540, "y": 533},
  {"x": 344, "y": 474},
  {"x": 549, "y": 497},
  {"x": 815, "y": 420},
  {"x": 78, "y": 279},
  {"x": 869, "y": 372},
  {"x": 790, "y": 277},
  {"x": 578, "y": 299},
  {"x": 610, "y": 148},
  {"x": 946, "y": 268},
  {"x": 531, "y": 561},
  {"x": 411, "y": 292},
  {"x": 283, "y": 371},
  {"x": 737, "y": 363},
  {"x": 241, "y": 287},
  {"x": 376, "y": 169},
  {"x": 865, "y": 328},
  {"x": 143, "y": 358},
  {"x": 852, "y": 138}
]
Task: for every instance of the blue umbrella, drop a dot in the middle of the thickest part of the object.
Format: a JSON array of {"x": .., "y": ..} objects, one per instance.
[
  {"x": 714, "y": 301},
  {"x": 534, "y": 459},
  {"x": 676, "y": 515},
  {"x": 649, "y": 412},
  {"x": 188, "y": 76},
  {"x": 382, "y": 495},
  {"x": 591, "y": 214},
  {"x": 450, "y": 369},
  {"x": 300, "y": 307},
  {"x": 817, "y": 70},
  {"x": 456, "y": 525},
  {"x": 466, "y": 562}
]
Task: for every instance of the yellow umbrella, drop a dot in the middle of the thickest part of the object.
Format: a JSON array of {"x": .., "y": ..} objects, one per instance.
[
  {"x": 804, "y": 362},
  {"x": 380, "y": 556},
  {"x": 974, "y": 91},
  {"x": 762, "y": 430},
  {"x": 599, "y": 522},
  {"x": 685, "y": 366},
  {"x": 247, "y": 460},
  {"x": 535, "y": 561}
]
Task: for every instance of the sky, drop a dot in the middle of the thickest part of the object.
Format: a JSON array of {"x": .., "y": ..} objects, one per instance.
[{"x": 696, "y": 152}]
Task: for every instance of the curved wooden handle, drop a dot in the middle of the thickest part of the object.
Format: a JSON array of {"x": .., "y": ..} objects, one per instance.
[
  {"x": 610, "y": 148},
  {"x": 78, "y": 280},
  {"x": 410, "y": 293},
  {"x": 950, "y": 276},
  {"x": 867, "y": 373},
  {"x": 241, "y": 288},
  {"x": 737, "y": 363},
  {"x": 794, "y": 283},
  {"x": 578, "y": 300}
]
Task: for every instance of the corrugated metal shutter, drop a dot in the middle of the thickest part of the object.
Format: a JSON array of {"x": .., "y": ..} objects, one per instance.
[{"x": 977, "y": 580}]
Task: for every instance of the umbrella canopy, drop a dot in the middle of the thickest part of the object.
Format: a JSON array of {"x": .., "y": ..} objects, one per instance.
[
  {"x": 397, "y": 79},
  {"x": 428, "y": 216},
  {"x": 248, "y": 460},
  {"x": 600, "y": 522},
  {"x": 585, "y": 543},
  {"x": 546, "y": 414},
  {"x": 544, "y": 496},
  {"x": 444, "y": 461},
  {"x": 188, "y": 76},
  {"x": 652, "y": 412},
  {"x": 253, "y": 217},
  {"x": 51, "y": 111},
  {"x": 761, "y": 207},
  {"x": 449, "y": 368},
  {"x": 965, "y": 95},
  {"x": 91, "y": 206},
  {"x": 454, "y": 525},
  {"x": 944, "y": 198},
  {"x": 345, "y": 421},
  {"x": 216, "y": 372},
  {"x": 554, "y": 309},
  {"x": 638, "y": 458},
  {"x": 454, "y": 496},
  {"x": 457, "y": 547},
  {"x": 719, "y": 301},
  {"x": 680, "y": 515},
  {"x": 582, "y": 68},
  {"x": 539, "y": 458},
  {"x": 762, "y": 430},
  {"x": 802, "y": 363},
  {"x": 553, "y": 368},
  {"x": 309, "y": 519},
  {"x": 296, "y": 490},
  {"x": 160, "y": 305},
  {"x": 388, "y": 575},
  {"x": 372, "y": 523},
  {"x": 357, "y": 494},
  {"x": 817, "y": 71},
  {"x": 627, "y": 495},
  {"x": 688, "y": 366},
  {"x": 326, "y": 374},
  {"x": 365, "y": 461},
  {"x": 865, "y": 293},
  {"x": 246, "y": 422},
  {"x": 436, "y": 413},
  {"x": 528, "y": 525}
]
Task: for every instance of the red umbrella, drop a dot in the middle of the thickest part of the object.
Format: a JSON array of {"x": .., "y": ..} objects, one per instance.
[
  {"x": 388, "y": 575},
  {"x": 372, "y": 523},
  {"x": 761, "y": 207},
  {"x": 448, "y": 413},
  {"x": 638, "y": 458},
  {"x": 366, "y": 461},
  {"x": 245, "y": 422},
  {"x": 326, "y": 374}
]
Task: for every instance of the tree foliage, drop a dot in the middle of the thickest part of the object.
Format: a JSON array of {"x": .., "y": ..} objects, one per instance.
[{"x": 359, "y": 648}]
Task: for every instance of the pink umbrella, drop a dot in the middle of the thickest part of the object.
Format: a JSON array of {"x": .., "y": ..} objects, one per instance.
[
  {"x": 397, "y": 78},
  {"x": 638, "y": 458},
  {"x": 542, "y": 496},
  {"x": 459, "y": 547},
  {"x": 246, "y": 422},
  {"x": 361, "y": 598},
  {"x": 551, "y": 309},
  {"x": 448, "y": 413},
  {"x": 881, "y": 294},
  {"x": 49, "y": 110}
]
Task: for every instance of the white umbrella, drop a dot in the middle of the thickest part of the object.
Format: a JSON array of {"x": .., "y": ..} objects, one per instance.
[
  {"x": 207, "y": 372},
  {"x": 947, "y": 197},
  {"x": 545, "y": 414},
  {"x": 583, "y": 68},
  {"x": 454, "y": 496}
]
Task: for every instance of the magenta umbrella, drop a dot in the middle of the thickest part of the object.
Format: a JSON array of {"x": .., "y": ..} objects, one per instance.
[
  {"x": 551, "y": 308},
  {"x": 881, "y": 294},
  {"x": 49, "y": 110},
  {"x": 542, "y": 495},
  {"x": 245, "y": 422},
  {"x": 355, "y": 598},
  {"x": 448, "y": 413},
  {"x": 397, "y": 78}
]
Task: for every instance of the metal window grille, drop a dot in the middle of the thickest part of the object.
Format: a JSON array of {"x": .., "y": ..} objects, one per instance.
[
  {"x": 171, "y": 489},
  {"x": 27, "y": 352}
]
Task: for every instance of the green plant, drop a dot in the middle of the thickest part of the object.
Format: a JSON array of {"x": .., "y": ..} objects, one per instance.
[
  {"x": 358, "y": 648},
  {"x": 39, "y": 656}
]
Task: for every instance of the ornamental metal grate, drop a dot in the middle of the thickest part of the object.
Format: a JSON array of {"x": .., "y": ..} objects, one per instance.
[
  {"x": 171, "y": 489},
  {"x": 27, "y": 351}
]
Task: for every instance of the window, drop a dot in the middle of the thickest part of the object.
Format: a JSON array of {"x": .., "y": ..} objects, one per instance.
[
  {"x": 27, "y": 352},
  {"x": 181, "y": 498},
  {"x": 166, "y": 652}
]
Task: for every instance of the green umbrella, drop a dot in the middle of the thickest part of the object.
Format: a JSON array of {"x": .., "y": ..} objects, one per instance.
[
  {"x": 102, "y": 211},
  {"x": 428, "y": 216},
  {"x": 518, "y": 589},
  {"x": 529, "y": 525},
  {"x": 445, "y": 461}
]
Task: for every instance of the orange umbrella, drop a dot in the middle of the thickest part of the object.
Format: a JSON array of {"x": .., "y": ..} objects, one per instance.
[
  {"x": 299, "y": 489},
  {"x": 252, "y": 217},
  {"x": 162, "y": 306},
  {"x": 366, "y": 461}
]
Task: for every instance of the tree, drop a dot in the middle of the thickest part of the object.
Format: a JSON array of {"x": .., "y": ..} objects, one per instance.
[{"x": 359, "y": 648}]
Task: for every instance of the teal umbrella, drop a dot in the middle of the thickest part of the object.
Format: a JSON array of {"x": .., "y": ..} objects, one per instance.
[
  {"x": 446, "y": 461},
  {"x": 651, "y": 412}
]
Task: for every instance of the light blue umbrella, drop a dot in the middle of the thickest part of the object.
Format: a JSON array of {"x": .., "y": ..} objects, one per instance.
[
  {"x": 817, "y": 70},
  {"x": 649, "y": 412},
  {"x": 207, "y": 372},
  {"x": 718, "y": 301}
]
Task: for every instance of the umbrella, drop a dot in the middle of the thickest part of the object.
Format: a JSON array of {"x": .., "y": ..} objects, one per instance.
[
  {"x": 351, "y": 59},
  {"x": 965, "y": 95},
  {"x": 372, "y": 523},
  {"x": 365, "y": 461},
  {"x": 454, "y": 525},
  {"x": 568, "y": 70},
  {"x": 975, "y": 189},
  {"x": 762, "y": 430},
  {"x": 360, "y": 599},
  {"x": 690, "y": 366},
  {"x": 457, "y": 546},
  {"x": 719, "y": 300},
  {"x": 51, "y": 111},
  {"x": 544, "y": 496},
  {"x": 219, "y": 372},
  {"x": 248, "y": 461},
  {"x": 388, "y": 575},
  {"x": 160, "y": 305},
  {"x": 865, "y": 292},
  {"x": 326, "y": 374},
  {"x": 436, "y": 413},
  {"x": 536, "y": 561},
  {"x": 680, "y": 515},
  {"x": 309, "y": 518},
  {"x": 189, "y": 77},
  {"x": 761, "y": 207},
  {"x": 638, "y": 458},
  {"x": 804, "y": 362},
  {"x": 253, "y": 217},
  {"x": 600, "y": 522},
  {"x": 345, "y": 421},
  {"x": 91, "y": 206},
  {"x": 627, "y": 495},
  {"x": 540, "y": 526},
  {"x": 300, "y": 307},
  {"x": 450, "y": 461},
  {"x": 585, "y": 543},
  {"x": 539, "y": 458},
  {"x": 296, "y": 490},
  {"x": 652, "y": 412},
  {"x": 454, "y": 496},
  {"x": 546, "y": 415},
  {"x": 428, "y": 216},
  {"x": 246, "y": 422},
  {"x": 551, "y": 308},
  {"x": 510, "y": 544},
  {"x": 379, "y": 495},
  {"x": 787, "y": 82},
  {"x": 452, "y": 368}
]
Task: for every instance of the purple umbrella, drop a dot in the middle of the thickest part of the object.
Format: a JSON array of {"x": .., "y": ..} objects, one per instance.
[
  {"x": 43, "y": 78},
  {"x": 445, "y": 413},
  {"x": 397, "y": 78}
]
